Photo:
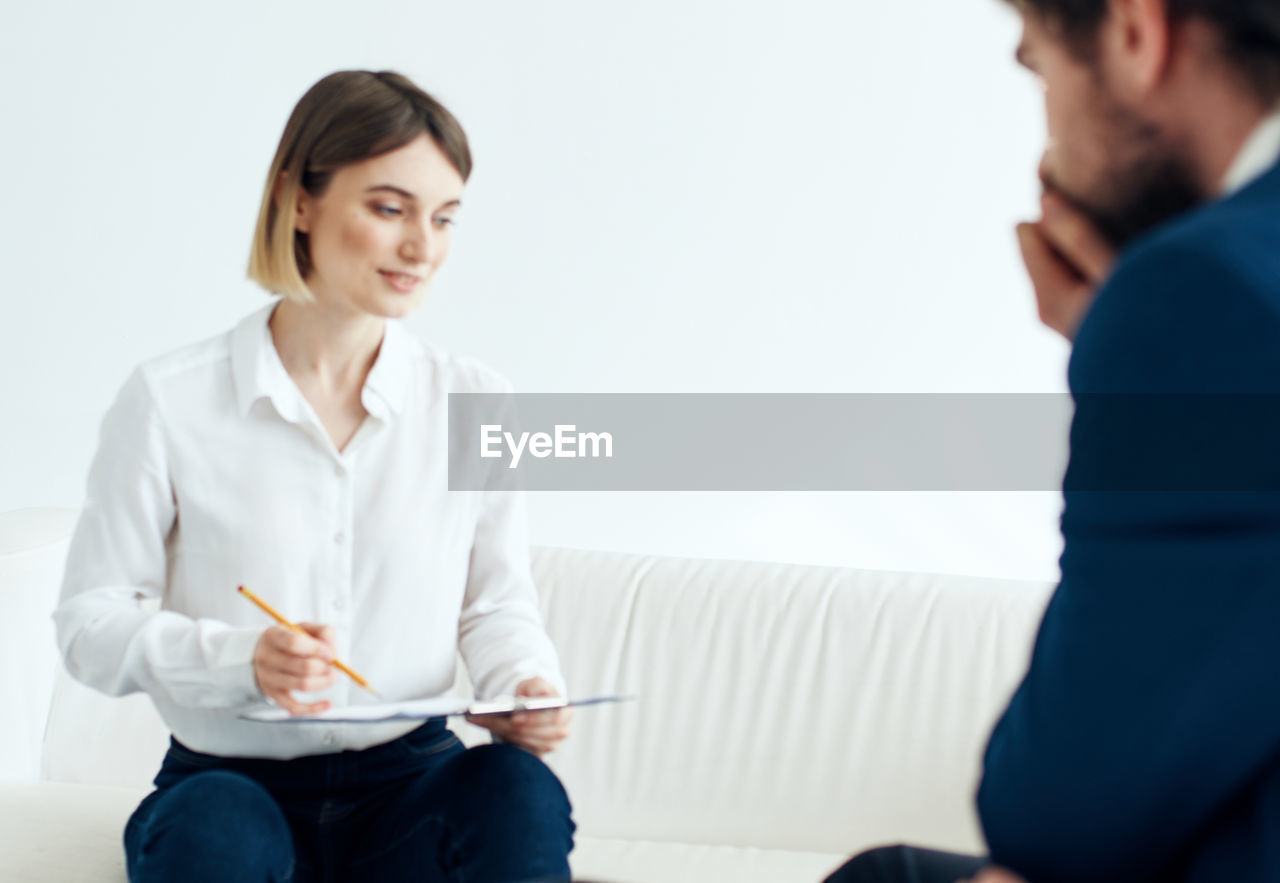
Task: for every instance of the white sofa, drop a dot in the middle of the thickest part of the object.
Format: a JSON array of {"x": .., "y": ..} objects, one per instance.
[{"x": 789, "y": 715}]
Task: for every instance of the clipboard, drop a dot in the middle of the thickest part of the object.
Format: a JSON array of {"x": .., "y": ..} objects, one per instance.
[{"x": 426, "y": 709}]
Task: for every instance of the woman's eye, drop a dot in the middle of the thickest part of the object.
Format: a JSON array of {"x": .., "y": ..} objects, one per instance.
[
  {"x": 387, "y": 211},
  {"x": 443, "y": 222}
]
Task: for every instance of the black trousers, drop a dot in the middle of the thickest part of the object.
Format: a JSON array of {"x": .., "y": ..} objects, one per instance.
[{"x": 907, "y": 864}]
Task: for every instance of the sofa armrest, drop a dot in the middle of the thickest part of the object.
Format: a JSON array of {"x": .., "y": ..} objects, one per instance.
[{"x": 33, "y": 549}]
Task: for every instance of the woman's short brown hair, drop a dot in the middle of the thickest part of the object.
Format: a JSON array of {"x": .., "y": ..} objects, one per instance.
[{"x": 346, "y": 117}]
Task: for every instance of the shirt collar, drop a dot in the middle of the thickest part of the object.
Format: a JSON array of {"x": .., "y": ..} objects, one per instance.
[
  {"x": 388, "y": 379},
  {"x": 1258, "y": 154},
  {"x": 259, "y": 373}
]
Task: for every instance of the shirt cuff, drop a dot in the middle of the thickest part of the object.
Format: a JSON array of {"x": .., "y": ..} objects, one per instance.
[{"x": 233, "y": 668}]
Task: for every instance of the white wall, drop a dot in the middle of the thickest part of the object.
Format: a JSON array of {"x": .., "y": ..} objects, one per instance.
[{"x": 815, "y": 196}]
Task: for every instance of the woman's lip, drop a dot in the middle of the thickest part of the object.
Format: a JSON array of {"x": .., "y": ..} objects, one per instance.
[{"x": 400, "y": 281}]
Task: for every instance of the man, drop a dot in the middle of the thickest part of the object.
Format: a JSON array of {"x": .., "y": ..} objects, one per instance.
[{"x": 1144, "y": 742}]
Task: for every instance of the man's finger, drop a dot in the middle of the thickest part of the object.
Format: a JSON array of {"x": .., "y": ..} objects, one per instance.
[
  {"x": 1073, "y": 235},
  {"x": 1047, "y": 269}
]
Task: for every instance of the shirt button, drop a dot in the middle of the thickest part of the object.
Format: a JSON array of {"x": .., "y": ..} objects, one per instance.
[
  {"x": 329, "y": 738},
  {"x": 339, "y": 603},
  {"x": 339, "y": 538},
  {"x": 338, "y": 470}
]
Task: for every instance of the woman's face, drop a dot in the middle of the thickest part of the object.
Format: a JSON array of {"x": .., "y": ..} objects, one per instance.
[{"x": 381, "y": 230}]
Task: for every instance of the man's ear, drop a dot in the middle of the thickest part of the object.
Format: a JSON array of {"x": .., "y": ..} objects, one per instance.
[{"x": 1135, "y": 48}]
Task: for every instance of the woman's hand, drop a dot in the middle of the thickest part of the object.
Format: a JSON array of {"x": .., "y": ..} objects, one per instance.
[
  {"x": 540, "y": 732},
  {"x": 285, "y": 660}
]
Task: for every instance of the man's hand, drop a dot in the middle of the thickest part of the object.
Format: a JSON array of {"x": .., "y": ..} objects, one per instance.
[
  {"x": 540, "y": 732},
  {"x": 1067, "y": 260},
  {"x": 994, "y": 875},
  {"x": 285, "y": 660}
]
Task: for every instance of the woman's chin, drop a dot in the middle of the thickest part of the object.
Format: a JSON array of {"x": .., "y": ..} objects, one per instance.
[{"x": 397, "y": 306}]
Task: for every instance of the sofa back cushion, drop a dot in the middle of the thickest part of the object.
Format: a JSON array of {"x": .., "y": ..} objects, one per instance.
[{"x": 806, "y": 708}]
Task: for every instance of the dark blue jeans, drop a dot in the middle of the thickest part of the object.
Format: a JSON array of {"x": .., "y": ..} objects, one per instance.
[{"x": 421, "y": 808}]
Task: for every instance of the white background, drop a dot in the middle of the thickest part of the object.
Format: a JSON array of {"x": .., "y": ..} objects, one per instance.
[{"x": 668, "y": 196}]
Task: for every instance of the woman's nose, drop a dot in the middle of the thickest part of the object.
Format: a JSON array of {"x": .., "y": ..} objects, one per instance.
[{"x": 421, "y": 244}]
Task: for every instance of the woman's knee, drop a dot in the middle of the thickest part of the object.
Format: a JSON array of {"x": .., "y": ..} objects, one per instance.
[
  {"x": 519, "y": 779},
  {"x": 505, "y": 766},
  {"x": 218, "y": 821}
]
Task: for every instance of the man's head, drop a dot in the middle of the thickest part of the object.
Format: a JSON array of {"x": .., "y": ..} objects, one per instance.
[{"x": 1147, "y": 99}]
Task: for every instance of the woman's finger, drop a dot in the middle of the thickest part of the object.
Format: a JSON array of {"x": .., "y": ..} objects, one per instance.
[
  {"x": 298, "y": 670},
  {"x": 292, "y": 643},
  {"x": 285, "y": 700},
  {"x": 296, "y": 666},
  {"x": 325, "y": 634},
  {"x": 535, "y": 687},
  {"x": 539, "y": 746},
  {"x": 551, "y": 725},
  {"x": 278, "y": 679},
  {"x": 499, "y": 725}
]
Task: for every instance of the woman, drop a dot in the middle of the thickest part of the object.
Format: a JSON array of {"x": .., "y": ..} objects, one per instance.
[{"x": 304, "y": 455}]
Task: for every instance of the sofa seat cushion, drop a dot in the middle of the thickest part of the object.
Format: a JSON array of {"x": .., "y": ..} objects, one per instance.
[
  {"x": 68, "y": 833},
  {"x": 603, "y": 860},
  {"x": 72, "y": 834}
]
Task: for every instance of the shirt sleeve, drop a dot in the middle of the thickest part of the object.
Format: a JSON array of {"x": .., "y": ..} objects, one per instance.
[
  {"x": 117, "y": 561},
  {"x": 1147, "y": 710},
  {"x": 500, "y": 631}
]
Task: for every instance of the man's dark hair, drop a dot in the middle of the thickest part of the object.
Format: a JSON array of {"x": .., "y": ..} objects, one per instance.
[{"x": 1250, "y": 31}]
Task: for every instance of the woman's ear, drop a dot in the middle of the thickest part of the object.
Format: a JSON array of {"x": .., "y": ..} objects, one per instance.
[{"x": 303, "y": 211}]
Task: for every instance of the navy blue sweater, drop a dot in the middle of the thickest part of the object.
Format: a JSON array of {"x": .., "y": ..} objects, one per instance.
[{"x": 1144, "y": 741}]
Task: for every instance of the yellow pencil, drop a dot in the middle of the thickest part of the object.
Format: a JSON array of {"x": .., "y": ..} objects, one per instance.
[{"x": 337, "y": 663}]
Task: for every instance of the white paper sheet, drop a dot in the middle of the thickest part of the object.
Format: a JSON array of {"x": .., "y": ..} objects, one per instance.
[{"x": 424, "y": 709}]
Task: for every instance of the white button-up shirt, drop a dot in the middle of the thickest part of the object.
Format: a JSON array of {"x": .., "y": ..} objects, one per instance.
[
  {"x": 1259, "y": 153},
  {"x": 213, "y": 471}
]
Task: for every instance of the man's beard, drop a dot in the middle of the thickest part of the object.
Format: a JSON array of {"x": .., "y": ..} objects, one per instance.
[{"x": 1147, "y": 183}]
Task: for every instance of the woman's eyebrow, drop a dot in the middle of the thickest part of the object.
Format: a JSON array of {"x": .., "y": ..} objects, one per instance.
[
  {"x": 453, "y": 203},
  {"x": 394, "y": 189}
]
